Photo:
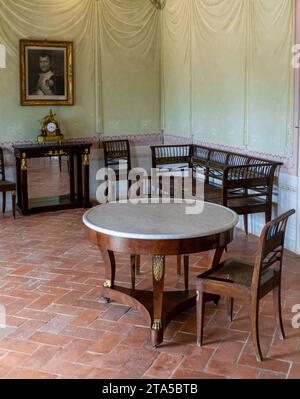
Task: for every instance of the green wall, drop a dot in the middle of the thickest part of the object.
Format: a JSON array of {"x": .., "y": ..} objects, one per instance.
[
  {"x": 228, "y": 76},
  {"x": 116, "y": 61},
  {"x": 219, "y": 71}
]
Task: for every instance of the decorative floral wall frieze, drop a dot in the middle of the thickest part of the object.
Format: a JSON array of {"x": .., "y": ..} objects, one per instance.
[
  {"x": 148, "y": 139},
  {"x": 289, "y": 162},
  {"x": 142, "y": 139}
]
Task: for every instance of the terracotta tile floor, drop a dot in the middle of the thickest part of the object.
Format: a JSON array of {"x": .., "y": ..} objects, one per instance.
[{"x": 59, "y": 327}]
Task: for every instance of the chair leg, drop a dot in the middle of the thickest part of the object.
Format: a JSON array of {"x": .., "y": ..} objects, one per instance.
[
  {"x": 254, "y": 330},
  {"x": 246, "y": 224},
  {"x": 59, "y": 160},
  {"x": 3, "y": 201},
  {"x": 138, "y": 264},
  {"x": 230, "y": 308},
  {"x": 133, "y": 270},
  {"x": 13, "y": 202},
  {"x": 268, "y": 216},
  {"x": 186, "y": 271},
  {"x": 277, "y": 310},
  {"x": 200, "y": 316},
  {"x": 178, "y": 265}
]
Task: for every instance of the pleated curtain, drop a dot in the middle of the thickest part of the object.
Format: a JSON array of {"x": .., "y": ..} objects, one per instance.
[{"x": 219, "y": 71}]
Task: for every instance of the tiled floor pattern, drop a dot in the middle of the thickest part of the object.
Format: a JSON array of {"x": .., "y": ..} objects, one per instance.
[{"x": 59, "y": 327}]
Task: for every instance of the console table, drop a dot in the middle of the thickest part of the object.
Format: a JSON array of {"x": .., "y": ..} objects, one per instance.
[
  {"x": 78, "y": 155},
  {"x": 157, "y": 230}
]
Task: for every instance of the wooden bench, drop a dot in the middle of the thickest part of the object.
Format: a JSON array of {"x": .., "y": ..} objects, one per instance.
[
  {"x": 171, "y": 156},
  {"x": 241, "y": 182}
]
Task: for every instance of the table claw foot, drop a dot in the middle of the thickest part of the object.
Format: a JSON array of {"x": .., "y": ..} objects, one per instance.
[
  {"x": 107, "y": 284},
  {"x": 157, "y": 333}
]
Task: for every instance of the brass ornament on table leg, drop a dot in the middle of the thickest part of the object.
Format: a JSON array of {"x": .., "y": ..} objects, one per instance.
[
  {"x": 158, "y": 270},
  {"x": 158, "y": 267},
  {"x": 86, "y": 157},
  {"x": 24, "y": 162}
]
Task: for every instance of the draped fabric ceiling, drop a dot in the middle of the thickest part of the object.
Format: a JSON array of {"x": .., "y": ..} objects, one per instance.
[{"x": 218, "y": 70}]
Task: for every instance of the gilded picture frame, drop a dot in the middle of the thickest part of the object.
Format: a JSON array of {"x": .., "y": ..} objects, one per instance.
[{"x": 46, "y": 72}]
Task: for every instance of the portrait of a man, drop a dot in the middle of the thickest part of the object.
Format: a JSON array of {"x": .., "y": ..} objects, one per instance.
[
  {"x": 48, "y": 82},
  {"x": 46, "y": 73}
]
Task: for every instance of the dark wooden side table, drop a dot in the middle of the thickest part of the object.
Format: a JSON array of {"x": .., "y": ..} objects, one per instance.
[
  {"x": 79, "y": 156},
  {"x": 157, "y": 230}
]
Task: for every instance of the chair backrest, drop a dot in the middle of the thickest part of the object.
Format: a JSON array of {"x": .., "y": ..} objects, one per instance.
[
  {"x": 271, "y": 247},
  {"x": 115, "y": 151},
  {"x": 200, "y": 153},
  {"x": 237, "y": 159},
  {"x": 2, "y": 170},
  {"x": 171, "y": 154}
]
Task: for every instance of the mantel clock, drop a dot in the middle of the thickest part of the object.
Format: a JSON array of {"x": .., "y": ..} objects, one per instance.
[{"x": 50, "y": 129}]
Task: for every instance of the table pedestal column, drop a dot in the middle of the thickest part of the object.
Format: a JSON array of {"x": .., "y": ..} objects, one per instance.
[
  {"x": 24, "y": 184},
  {"x": 158, "y": 272}
]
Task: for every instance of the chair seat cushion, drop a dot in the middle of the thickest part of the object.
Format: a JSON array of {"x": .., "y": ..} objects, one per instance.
[
  {"x": 247, "y": 200},
  {"x": 240, "y": 203},
  {"x": 237, "y": 271},
  {"x": 6, "y": 185}
]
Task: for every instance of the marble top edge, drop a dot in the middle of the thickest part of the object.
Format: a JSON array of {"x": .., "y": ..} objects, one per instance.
[{"x": 124, "y": 227}]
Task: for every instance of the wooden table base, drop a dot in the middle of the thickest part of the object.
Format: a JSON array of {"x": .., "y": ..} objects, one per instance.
[
  {"x": 158, "y": 306},
  {"x": 174, "y": 302}
]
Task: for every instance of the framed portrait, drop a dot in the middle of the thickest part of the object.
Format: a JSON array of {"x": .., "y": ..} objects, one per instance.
[{"x": 46, "y": 72}]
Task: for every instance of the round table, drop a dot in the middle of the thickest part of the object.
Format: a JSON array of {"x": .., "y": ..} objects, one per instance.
[{"x": 157, "y": 229}]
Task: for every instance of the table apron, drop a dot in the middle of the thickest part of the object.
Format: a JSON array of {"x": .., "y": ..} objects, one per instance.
[{"x": 177, "y": 246}]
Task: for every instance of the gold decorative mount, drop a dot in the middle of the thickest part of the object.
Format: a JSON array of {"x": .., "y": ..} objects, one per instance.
[
  {"x": 107, "y": 284},
  {"x": 47, "y": 136},
  {"x": 53, "y": 153},
  {"x": 44, "y": 139},
  {"x": 24, "y": 162},
  {"x": 157, "y": 325},
  {"x": 158, "y": 267},
  {"x": 86, "y": 157}
]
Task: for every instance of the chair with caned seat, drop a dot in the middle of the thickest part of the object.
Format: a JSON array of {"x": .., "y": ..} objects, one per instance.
[
  {"x": 117, "y": 152},
  {"x": 6, "y": 186},
  {"x": 173, "y": 160},
  {"x": 237, "y": 279}
]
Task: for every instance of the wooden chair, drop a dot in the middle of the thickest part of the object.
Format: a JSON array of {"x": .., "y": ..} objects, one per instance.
[
  {"x": 116, "y": 151},
  {"x": 237, "y": 279},
  {"x": 6, "y": 186},
  {"x": 173, "y": 158}
]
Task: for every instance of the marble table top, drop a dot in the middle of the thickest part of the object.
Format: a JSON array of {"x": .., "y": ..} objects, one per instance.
[{"x": 159, "y": 220}]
